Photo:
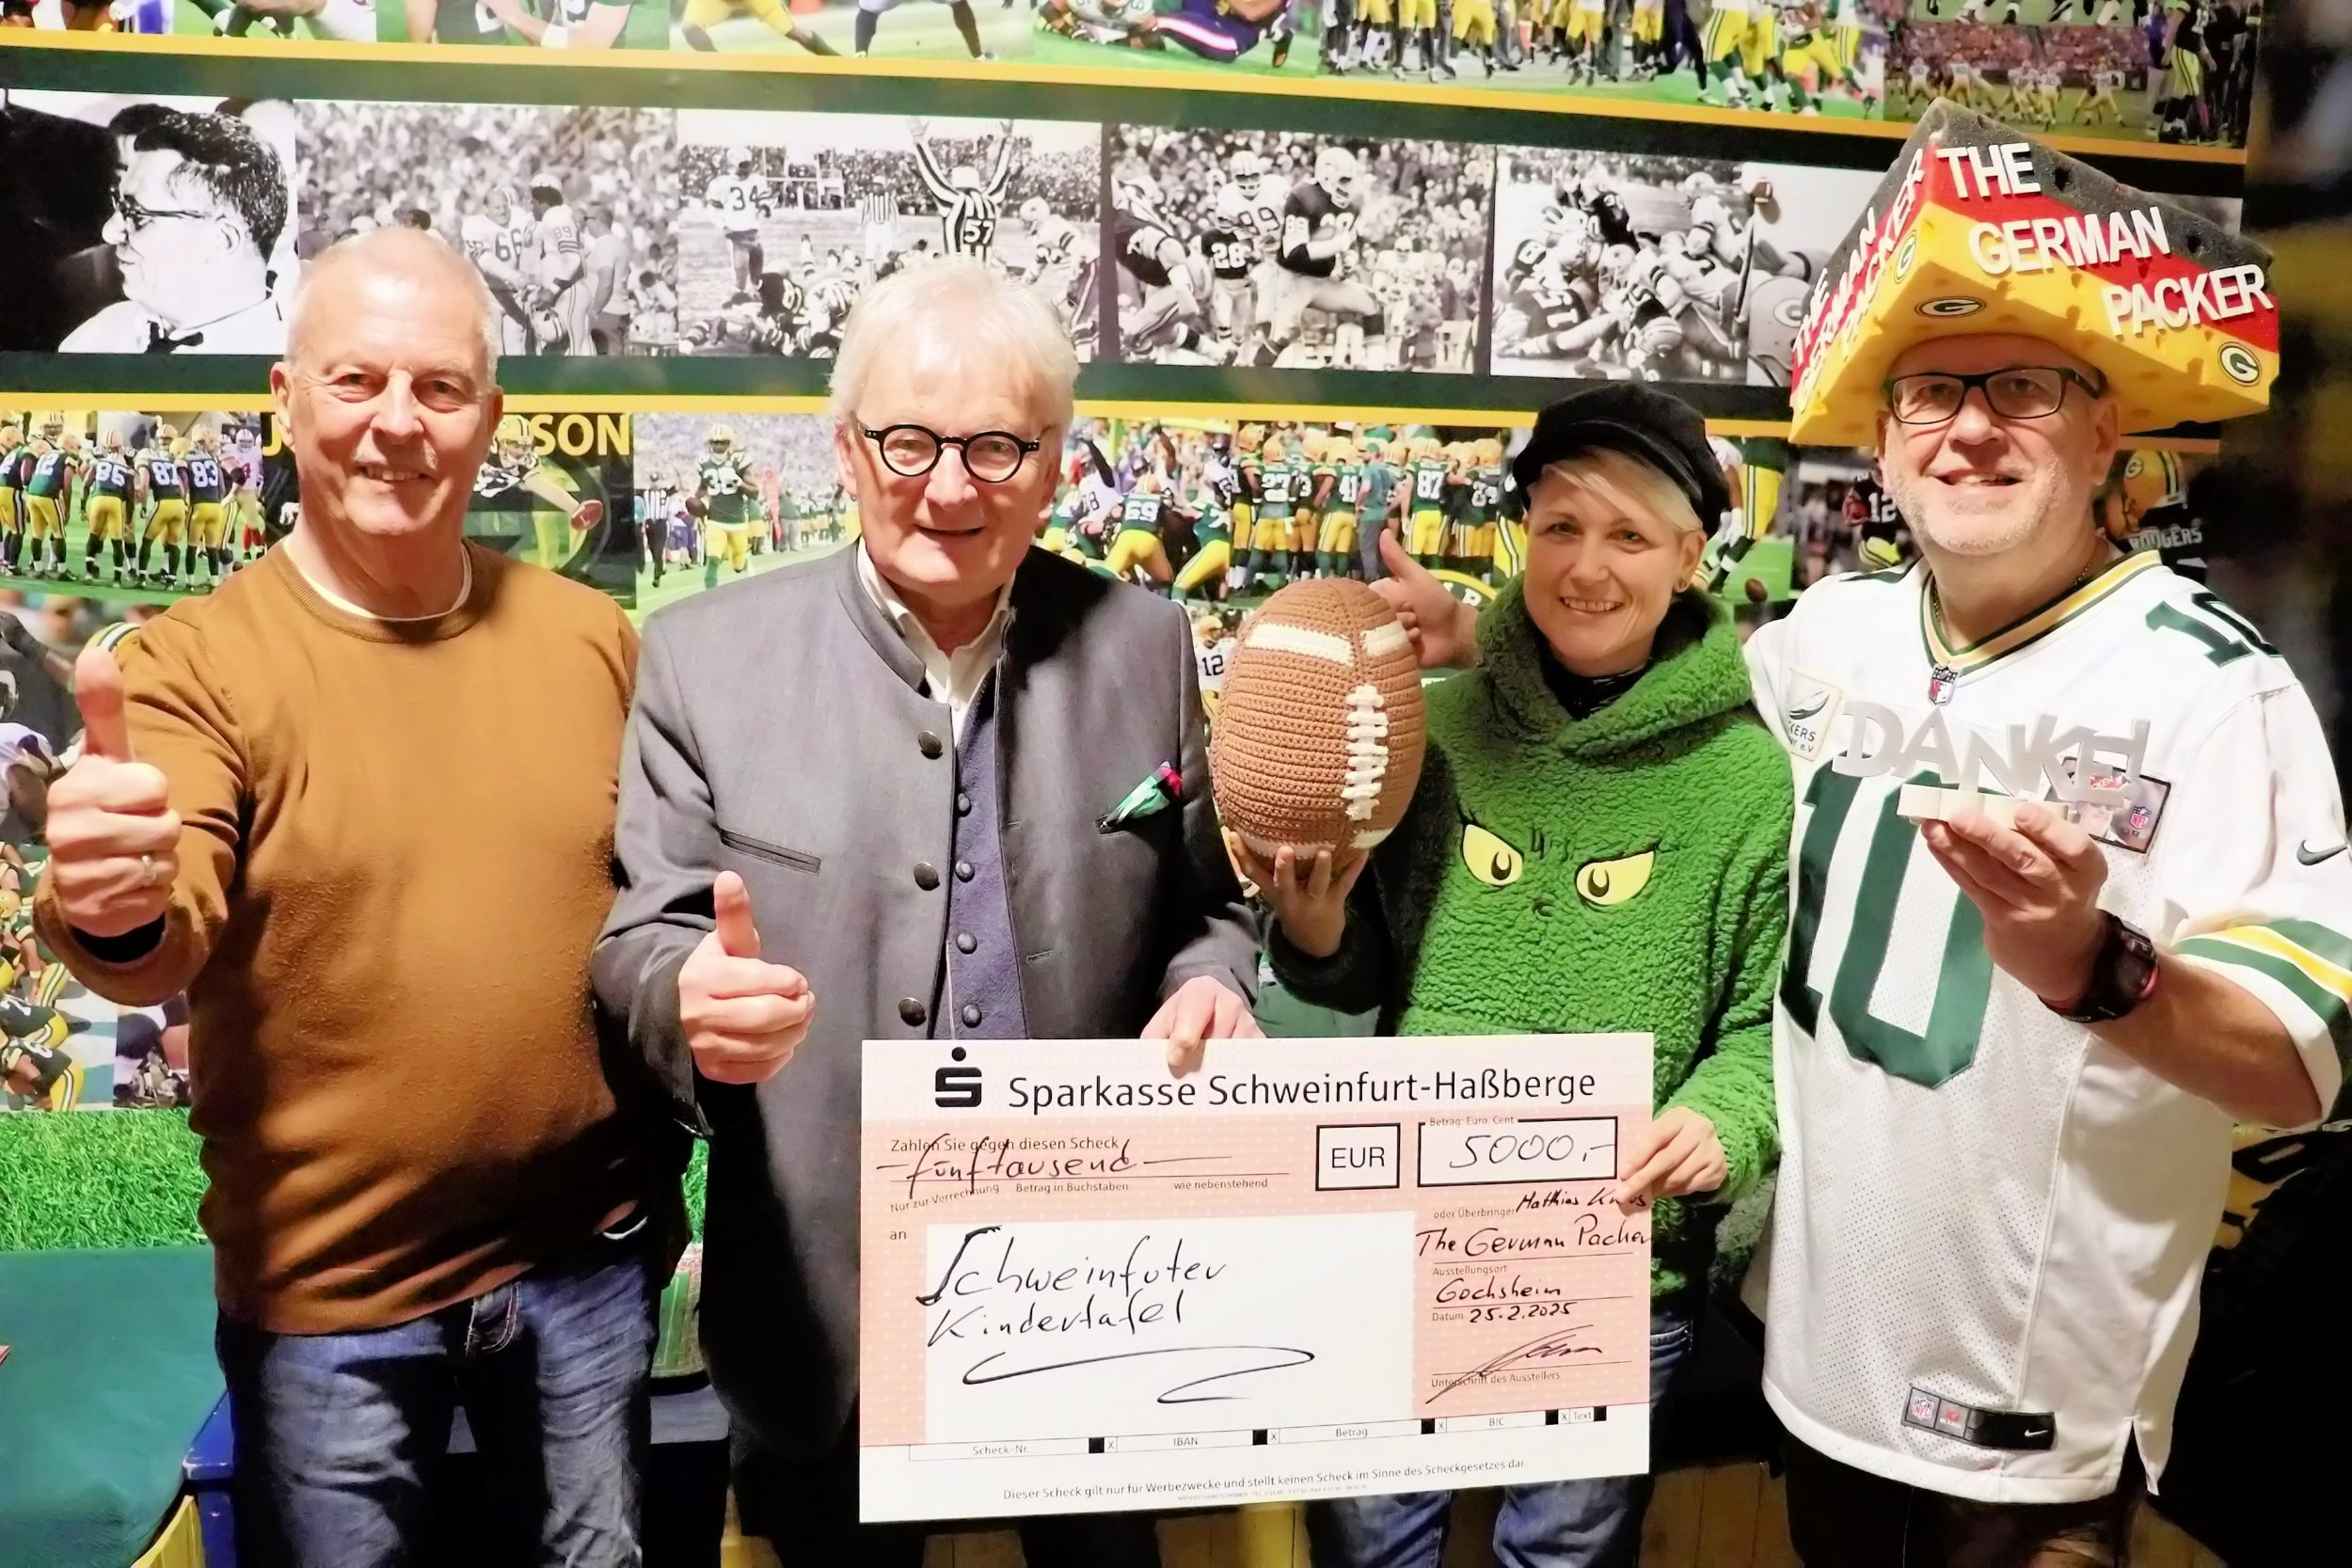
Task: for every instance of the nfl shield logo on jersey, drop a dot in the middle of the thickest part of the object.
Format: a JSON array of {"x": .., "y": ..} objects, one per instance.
[{"x": 1941, "y": 680}]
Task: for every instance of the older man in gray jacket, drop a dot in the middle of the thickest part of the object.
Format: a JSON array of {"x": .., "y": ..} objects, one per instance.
[{"x": 904, "y": 792}]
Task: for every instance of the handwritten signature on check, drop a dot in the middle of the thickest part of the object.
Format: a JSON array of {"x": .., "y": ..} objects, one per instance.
[{"x": 1558, "y": 1345}]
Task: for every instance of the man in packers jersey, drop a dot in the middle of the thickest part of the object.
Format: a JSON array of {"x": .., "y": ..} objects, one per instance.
[
  {"x": 1166, "y": 313},
  {"x": 566, "y": 25},
  {"x": 208, "y": 506},
  {"x": 35, "y": 1071},
  {"x": 1742, "y": 42},
  {"x": 105, "y": 504},
  {"x": 1248, "y": 480},
  {"x": 1313, "y": 258},
  {"x": 513, "y": 468},
  {"x": 16, "y": 467},
  {"x": 163, "y": 498},
  {"x": 48, "y": 502},
  {"x": 1482, "y": 509},
  {"x": 1135, "y": 546},
  {"x": 723, "y": 498},
  {"x": 1282, "y": 479},
  {"x": 1418, "y": 19},
  {"x": 2085, "y": 1063},
  {"x": 1352, "y": 43},
  {"x": 702, "y": 15},
  {"x": 566, "y": 304},
  {"x": 733, "y": 200},
  {"x": 1430, "y": 477},
  {"x": 1203, "y": 576},
  {"x": 1231, "y": 253},
  {"x": 1311, "y": 480},
  {"x": 2015, "y": 1027},
  {"x": 1474, "y": 28},
  {"x": 499, "y": 239},
  {"x": 1752, "y": 469},
  {"x": 1342, "y": 507}
]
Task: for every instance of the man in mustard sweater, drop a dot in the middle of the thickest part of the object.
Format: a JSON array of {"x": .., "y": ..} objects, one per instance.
[{"x": 358, "y": 804}]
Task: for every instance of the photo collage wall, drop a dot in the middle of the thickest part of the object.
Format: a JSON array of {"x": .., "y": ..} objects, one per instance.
[
  {"x": 628, "y": 232},
  {"x": 2170, "y": 70}
]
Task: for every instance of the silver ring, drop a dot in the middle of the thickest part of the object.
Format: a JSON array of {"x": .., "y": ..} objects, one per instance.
[{"x": 147, "y": 871}]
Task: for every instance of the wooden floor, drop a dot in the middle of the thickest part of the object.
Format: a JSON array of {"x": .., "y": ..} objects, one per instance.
[{"x": 1732, "y": 1516}]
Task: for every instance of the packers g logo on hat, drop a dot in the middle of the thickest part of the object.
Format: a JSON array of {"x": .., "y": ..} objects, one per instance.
[{"x": 1980, "y": 230}]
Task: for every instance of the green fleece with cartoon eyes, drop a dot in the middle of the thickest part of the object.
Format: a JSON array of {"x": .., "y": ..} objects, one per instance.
[{"x": 1625, "y": 871}]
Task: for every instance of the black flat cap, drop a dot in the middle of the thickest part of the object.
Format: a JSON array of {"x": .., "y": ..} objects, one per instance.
[{"x": 1639, "y": 420}]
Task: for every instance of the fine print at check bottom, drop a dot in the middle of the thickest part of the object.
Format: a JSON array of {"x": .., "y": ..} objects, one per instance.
[{"x": 1313, "y": 1268}]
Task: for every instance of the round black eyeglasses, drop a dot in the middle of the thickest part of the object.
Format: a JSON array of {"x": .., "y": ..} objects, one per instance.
[{"x": 913, "y": 451}]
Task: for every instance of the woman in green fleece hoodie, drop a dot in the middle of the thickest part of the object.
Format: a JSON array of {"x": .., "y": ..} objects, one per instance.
[{"x": 1598, "y": 842}]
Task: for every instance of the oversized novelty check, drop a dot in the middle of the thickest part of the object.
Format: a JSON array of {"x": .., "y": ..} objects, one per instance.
[{"x": 1315, "y": 1268}]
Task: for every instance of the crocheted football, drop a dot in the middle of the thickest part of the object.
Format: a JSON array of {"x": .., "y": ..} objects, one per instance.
[{"x": 1320, "y": 728}]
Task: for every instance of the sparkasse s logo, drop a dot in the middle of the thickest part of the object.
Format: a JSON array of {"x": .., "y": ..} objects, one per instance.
[{"x": 956, "y": 1088}]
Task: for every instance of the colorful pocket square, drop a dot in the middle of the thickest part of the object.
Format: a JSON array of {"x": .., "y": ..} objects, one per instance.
[{"x": 1162, "y": 789}]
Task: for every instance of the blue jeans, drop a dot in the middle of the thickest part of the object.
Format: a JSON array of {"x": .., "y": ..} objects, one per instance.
[
  {"x": 1566, "y": 1524},
  {"x": 343, "y": 1439}
]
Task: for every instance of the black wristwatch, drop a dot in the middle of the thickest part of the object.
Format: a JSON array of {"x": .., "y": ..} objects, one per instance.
[{"x": 2123, "y": 975}]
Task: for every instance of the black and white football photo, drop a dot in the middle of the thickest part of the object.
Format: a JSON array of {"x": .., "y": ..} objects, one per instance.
[
  {"x": 1281, "y": 248},
  {"x": 1635, "y": 266},
  {"x": 569, "y": 211},
  {"x": 785, "y": 218}
]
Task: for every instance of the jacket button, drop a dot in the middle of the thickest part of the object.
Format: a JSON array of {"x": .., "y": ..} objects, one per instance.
[
  {"x": 965, "y": 942},
  {"x": 926, "y": 876},
  {"x": 911, "y": 1012},
  {"x": 971, "y": 1014},
  {"x": 929, "y": 744},
  {"x": 964, "y": 872},
  {"x": 963, "y": 804}
]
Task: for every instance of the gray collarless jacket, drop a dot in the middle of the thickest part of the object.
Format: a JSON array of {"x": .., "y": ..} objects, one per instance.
[{"x": 781, "y": 730}]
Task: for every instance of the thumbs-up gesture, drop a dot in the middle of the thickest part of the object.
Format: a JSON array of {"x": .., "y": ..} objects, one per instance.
[
  {"x": 1443, "y": 630},
  {"x": 743, "y": 1017},
  {"x": 114, "y": 840}
]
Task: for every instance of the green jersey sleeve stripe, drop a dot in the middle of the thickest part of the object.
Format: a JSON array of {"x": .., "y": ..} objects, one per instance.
[
  {"x": 2325, "y": 1005},
  {"x": 2317, "y": 939}
]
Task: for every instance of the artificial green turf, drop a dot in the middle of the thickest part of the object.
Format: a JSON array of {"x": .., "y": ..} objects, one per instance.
[
  {"x": 98, "y": 1179},
  {"x": 124, "y": 1179}
]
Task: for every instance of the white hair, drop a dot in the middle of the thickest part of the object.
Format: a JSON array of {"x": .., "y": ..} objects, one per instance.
[
  {"x": 953, "y": 307},
  {"x": 1635, "y": 488},
  {"x": 384, "y": 249}
]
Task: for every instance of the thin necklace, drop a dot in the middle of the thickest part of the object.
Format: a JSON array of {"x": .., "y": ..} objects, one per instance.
[{"x": 1943, "y": 676}]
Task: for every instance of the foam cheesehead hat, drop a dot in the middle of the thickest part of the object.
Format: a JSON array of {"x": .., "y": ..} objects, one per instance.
[{"x": 1977, "y": 228}]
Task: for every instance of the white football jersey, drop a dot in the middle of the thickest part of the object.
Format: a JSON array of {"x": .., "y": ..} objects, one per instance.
[
  {"x": 508, "y": 245},
  {"x": 560, "y": 247},
  {"x": 736, "y": 200},
  {"x": 1990, "y": 1222}
]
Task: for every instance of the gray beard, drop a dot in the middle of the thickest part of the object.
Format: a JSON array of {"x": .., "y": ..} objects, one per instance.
[{"x": 1910, "y": 498}]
